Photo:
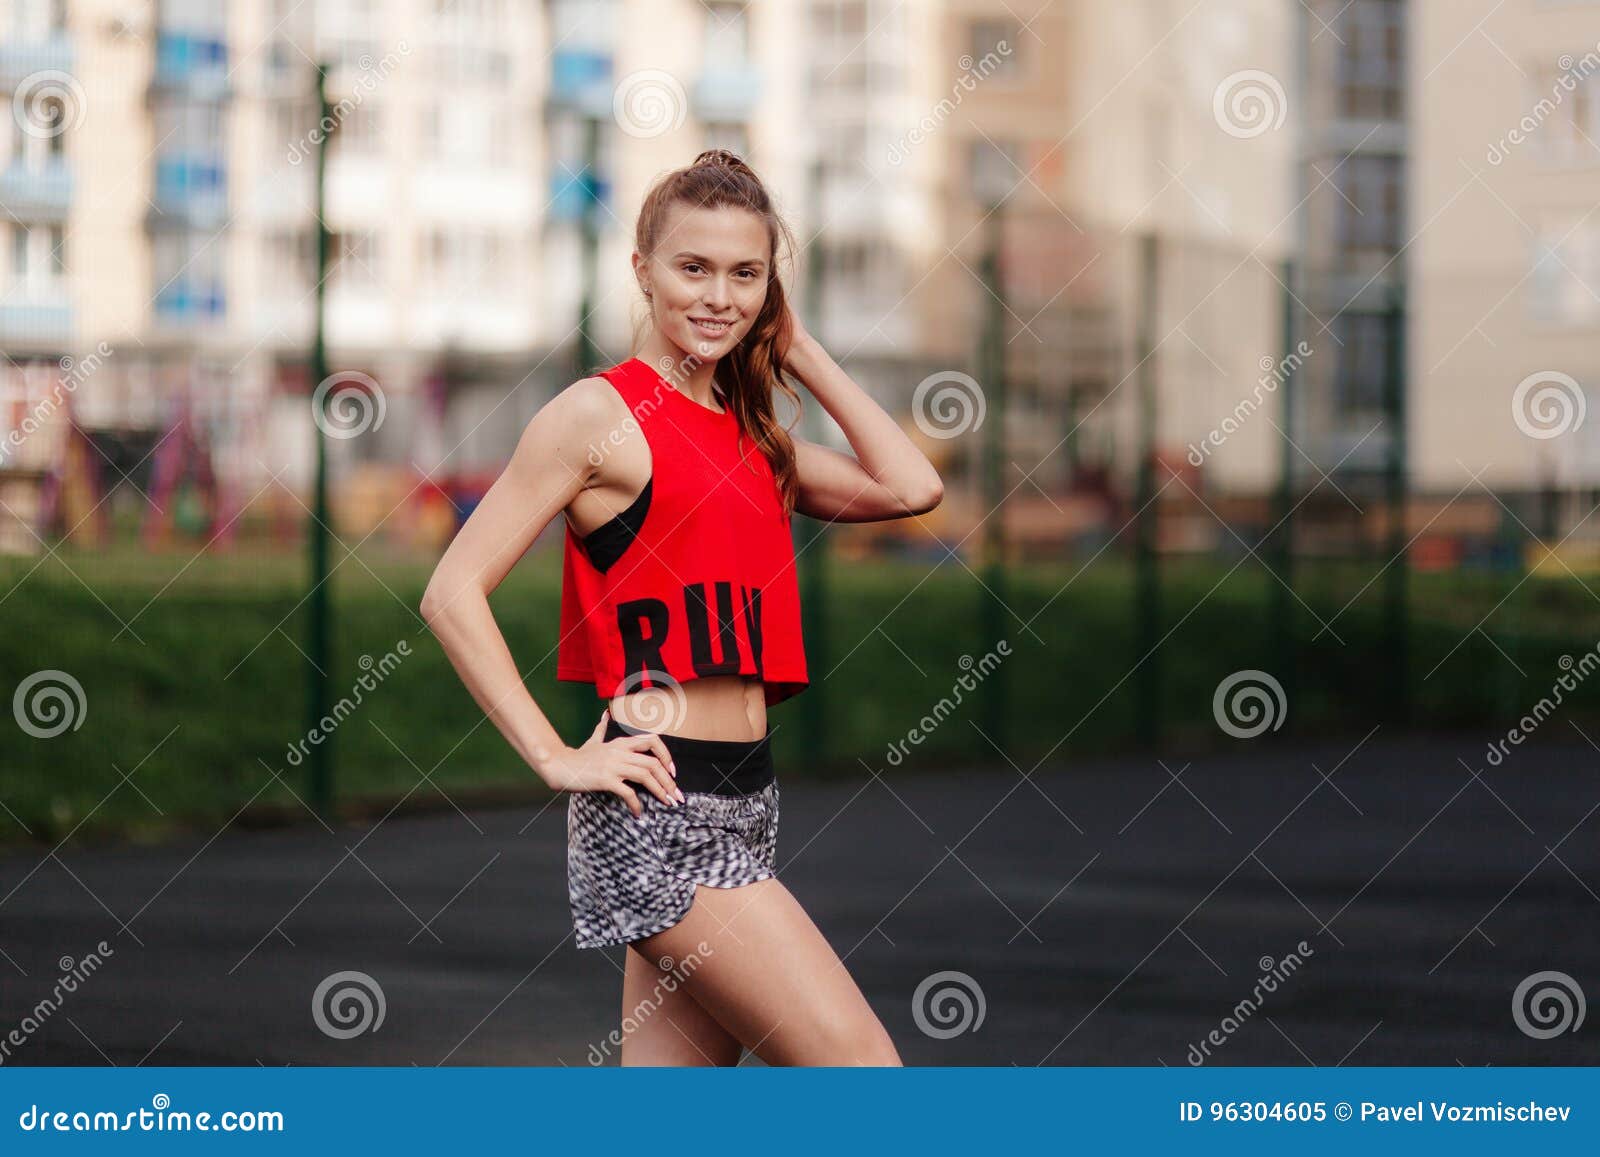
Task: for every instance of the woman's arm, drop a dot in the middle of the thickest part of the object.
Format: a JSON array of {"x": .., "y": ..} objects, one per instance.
[
  {"x": 552, "y": 463},
  {"x": 888, "y": 477}
]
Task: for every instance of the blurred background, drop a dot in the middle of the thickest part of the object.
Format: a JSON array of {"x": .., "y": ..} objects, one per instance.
[
  {"x": 1174, "y": 296},
  {"x": 1253, "y": 340}
]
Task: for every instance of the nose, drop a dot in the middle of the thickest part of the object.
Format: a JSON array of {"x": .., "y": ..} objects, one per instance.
[{"x": 717, "y": 296}]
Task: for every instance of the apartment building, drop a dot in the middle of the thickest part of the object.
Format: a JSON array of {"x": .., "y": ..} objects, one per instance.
[
  {"x": 1351, "y": 287},
  {"x": 37, "y": 59},
  {"x": 458, "y": 179},
  {"x": 1505, "y": 253},
  {"x": 1093, "y": 134}
]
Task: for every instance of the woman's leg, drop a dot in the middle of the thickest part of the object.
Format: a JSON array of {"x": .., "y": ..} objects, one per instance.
[
  {"x": 669, "y": 1027},
  {"x": 770, "y": 978}
]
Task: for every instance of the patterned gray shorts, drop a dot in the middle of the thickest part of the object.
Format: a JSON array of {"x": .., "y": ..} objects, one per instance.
[{"x": 630, "y": 877}]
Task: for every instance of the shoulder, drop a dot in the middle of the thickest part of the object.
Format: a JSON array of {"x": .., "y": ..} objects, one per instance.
[
  {"x": 586, "y": 410},
  {"x": 571, "y": 425},
  {"x": 592, "y": 400}
]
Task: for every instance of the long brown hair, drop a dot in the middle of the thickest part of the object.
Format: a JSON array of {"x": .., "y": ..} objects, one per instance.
[{"x": 749, "y": 372}]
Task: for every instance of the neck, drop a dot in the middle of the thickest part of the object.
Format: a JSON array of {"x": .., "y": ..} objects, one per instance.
[{"x": 688, "y": 372}]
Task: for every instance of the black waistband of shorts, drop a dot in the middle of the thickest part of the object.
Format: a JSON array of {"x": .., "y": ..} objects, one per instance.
[{"x": 717, "y": 766}]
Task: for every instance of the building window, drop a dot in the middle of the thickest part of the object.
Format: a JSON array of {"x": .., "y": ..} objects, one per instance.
[
  {"x": 37, "y": 19},
  {"x": 1362, "y": 362},
  {"x": 728, "y": 135},
  {"x": 727, "y": 35},
  {"x": 1569, "y": 121},
  {"x": 359, "y": 133},
  {"x": 1566, "y": 268},
  {"x": 994, "y": 46},
  {"x": 358, "y": 258},
  {"x": 473, "y": 130},
  {"x": 289, "y": 257},
  {"x": 32, "y": 151},
  {"x": 1371, "y": 75},
  {"x": 457, "y": 258},
  {"x": 582, "y": 25},
  {"x": 994, "y": 168},
  {"x": 38, "y": 257},
  {"x": 188, "y": 268},
  {"x": 1371, "y": 208},
  {"x": 19, "y": 253}
]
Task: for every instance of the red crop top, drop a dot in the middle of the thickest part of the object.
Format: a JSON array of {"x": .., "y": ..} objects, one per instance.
[{"x": 697, "y": 576}]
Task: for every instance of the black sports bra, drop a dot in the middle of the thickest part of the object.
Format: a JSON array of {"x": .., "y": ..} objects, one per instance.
[{"x": 605, "y": 543}]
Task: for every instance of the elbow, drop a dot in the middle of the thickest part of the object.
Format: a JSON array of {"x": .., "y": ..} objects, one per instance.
[
  {"x": 443, "y": 601},
  {"x": 430, "y": 606},
  {"x": 433, "y": 606}
]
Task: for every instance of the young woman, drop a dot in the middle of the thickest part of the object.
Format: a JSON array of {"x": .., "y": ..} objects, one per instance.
[{"x": 680, "y": 603}]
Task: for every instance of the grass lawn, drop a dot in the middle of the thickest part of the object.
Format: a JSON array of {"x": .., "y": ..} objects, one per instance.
[{"x": 194, "y": 691}]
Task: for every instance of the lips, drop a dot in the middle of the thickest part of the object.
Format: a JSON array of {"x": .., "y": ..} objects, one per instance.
[{"x": 712, "y": 325}]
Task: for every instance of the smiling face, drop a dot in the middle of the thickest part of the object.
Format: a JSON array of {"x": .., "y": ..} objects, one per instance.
[{"x": 707, "y": 278}]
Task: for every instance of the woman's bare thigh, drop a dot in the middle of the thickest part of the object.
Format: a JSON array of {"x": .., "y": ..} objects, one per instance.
[
  {"x": 771, "y": 979},
  {"x": 663, "y": 1024}
]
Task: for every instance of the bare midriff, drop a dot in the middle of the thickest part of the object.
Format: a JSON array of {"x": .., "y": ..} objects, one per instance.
[{"x": 710, "y": 707}]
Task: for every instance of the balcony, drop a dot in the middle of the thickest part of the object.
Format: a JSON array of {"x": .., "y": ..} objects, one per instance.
[
  {"x": 188, "y": 300},
  {"x": 191, "y": 192},
  {"x": 33, "y": 324},
  {"x": 36, "y": 195},
  {"x": 191, "y": 64},
  {"x": 19, "y": 61},
  {"x": 726, "y": 93},
  {"x": 569, "y": 193},
  {"x": 581, "y": 80}
]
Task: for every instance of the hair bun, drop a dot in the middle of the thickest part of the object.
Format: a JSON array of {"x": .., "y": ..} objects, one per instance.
[{"x": 721, "y": 159}]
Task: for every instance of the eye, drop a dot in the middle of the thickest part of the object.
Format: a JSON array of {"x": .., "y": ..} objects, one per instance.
[
  {"x": 751, "y": 272},
  {"x": 691, "y": 265}
]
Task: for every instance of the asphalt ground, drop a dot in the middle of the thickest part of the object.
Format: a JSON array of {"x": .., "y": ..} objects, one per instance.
[{"x": 1110, "y": 912}]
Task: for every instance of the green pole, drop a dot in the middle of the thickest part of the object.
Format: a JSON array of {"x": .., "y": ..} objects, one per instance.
[
  {"x": 811, "y": 535},
  {"x": 320, "y": 761},
  {"x": 992, "y": 368},
  {"x": 589, "y": 226},
  {"x": 1396, "y": 601},
  {"x": 1282, "y": 612},
  {"x": 586, "y": 353},
  {"x": 1147, "y": 580}
]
